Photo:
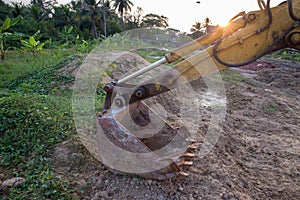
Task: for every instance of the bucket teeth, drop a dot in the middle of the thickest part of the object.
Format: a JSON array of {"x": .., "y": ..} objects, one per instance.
[
  {"x": 119, "y": 129},
  {"x": 181, "y": 173},
  {"x": 192, "y": 147},
  {"x": 192, "y": 141},
  {"x": 186, "y": 164},
  {"x": 188, "y": 155}
]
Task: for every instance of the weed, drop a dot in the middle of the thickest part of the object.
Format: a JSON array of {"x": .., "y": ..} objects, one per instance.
[
  {"x": 40, "y": 81},
  {"x": 271, "y": 110},
  {"x": 232, "y": 76},
  {"x": 33, "y": 120},
  {"x": 32, "y": 45},
  {"x": 30, "y": 125},
  {"x": 288, "y": 54}
]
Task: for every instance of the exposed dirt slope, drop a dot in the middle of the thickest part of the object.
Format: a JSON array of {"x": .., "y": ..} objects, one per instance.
[{"x": 257, "y": 156}]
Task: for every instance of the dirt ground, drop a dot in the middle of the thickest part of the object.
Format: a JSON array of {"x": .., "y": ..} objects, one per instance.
[{"x": 256, "y": 157}]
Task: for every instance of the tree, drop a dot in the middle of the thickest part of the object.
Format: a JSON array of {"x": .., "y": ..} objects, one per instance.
[
  {"x": 38, "y": 13},
  {"x": 4, "y": 10},
  {"x": 64, "y": 16},
  {"x": 197, "y": 30},
  {"x": 94, "y": 11},
  {"x": 7, "y": 36},
  {"x": 201, "y": 27},
  {"x": 207, "y": 21},
  {"x": 17, "y": 10},
  {"x": 153, "y": 20},
  {"x": 95, "y": 15},
  {"x": 106, "y": 12},
  {"x": 44, "y": 4},
  {"x": 196, "y": 27},
  {"x": 135, "y": 19},
  {"x": 123, "y": 6},
  {"x": 88, "y": 18}
]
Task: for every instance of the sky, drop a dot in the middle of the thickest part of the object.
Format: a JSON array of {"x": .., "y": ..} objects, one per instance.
[{"x": 183, "y": 14}]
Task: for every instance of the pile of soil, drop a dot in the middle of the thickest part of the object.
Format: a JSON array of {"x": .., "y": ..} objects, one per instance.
[{"x": 256, "y": 157}]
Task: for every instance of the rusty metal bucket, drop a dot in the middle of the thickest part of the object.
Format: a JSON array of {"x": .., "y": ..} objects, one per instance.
[{"x": 141, "y": 142}]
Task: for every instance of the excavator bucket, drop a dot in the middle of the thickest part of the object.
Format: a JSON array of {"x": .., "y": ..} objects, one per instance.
[{"x": 148, "y": 145}]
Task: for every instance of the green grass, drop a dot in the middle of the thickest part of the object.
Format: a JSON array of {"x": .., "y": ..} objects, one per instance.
[
  {"x": 31, "y": 124},
  {"x": 288, "y": 54},
  {"x": 18, "y": 64},
  {"x": 271, "y": 110},
  {"x": 231, "y": 76},
  {"x": 34, "y": 117}
]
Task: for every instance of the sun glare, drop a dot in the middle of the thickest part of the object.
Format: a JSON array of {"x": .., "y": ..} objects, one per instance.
[{"x": 222, "y": 22}]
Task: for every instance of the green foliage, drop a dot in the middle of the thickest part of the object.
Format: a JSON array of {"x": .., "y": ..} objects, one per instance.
[
  {"x": 32, "y": 45},
  {"x": 66, "y": 35},
  {"x": 122, "y": 6},
  {"x": 21, "y": 66},
  {"x": 33, "y": 119},
  {"x": 113, "y": 27},
  {"x": 121, "y": 42},
  {"x": 271, "y": 110},
  {"x": 41, "y": 184},
  {"x": 42, "y": 81},
  {"x": 60, "y": 24},
  {"x": 232, "y": 76},
  {"x": 8, "y": 23},
  {"x": 153, "y": 20},
  {"x": 134, "y": 19},
  {"x": 85, "y": 46},
  {"x": 7, "y": 36},
  {"x": 30, "y": 125},
  {"x": 289, "y": 54}
]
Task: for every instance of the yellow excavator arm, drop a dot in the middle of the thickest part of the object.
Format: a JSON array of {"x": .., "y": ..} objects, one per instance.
[{"x": 246, "y": 38}]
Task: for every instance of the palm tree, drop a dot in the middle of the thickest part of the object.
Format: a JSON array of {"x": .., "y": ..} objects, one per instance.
[
  {"x": 207, "y": 21},
  {"x": 106, "y": 11},
  {"x": 197, "y": 30},
  {"x": 123, "y": 6},
  {"x": 201, "y": 27},
  {"x": 44, "y": 5},
  {"x": 17, "y": 10},
  {"x": 77, "y": 8},
  {"x": 4, "y": 10},
  {"x": 92, "y": 6},
  {"x": 64, "y": 16},
  {"x": 196, "y": 27}
]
